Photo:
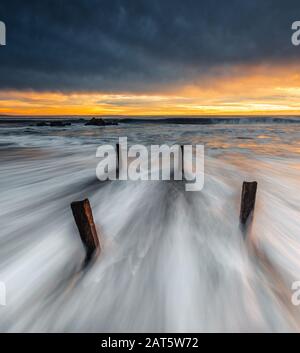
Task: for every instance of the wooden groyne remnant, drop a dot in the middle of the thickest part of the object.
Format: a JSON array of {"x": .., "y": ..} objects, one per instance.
[
  {"x": 118, "y": 160},
  {"x": 84, "y": 219},
  {"x": 247, "y": 201},
  {"x": 83, "y": 216},
  {"x": 266, "y": 270},
  {"x": 182, "y": 160}
]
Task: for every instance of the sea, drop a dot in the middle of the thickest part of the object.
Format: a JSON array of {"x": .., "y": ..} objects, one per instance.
[{"x": 171, "y": 260}]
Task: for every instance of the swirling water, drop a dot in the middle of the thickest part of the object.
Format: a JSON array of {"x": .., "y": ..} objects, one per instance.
[{"x": 171, "y": 260}]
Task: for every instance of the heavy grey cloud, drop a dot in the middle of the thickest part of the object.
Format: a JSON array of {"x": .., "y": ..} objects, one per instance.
[{"x": 128, "y": 45}]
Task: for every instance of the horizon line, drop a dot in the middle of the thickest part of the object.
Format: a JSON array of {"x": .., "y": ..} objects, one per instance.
[{"x": 146, "y": 116}]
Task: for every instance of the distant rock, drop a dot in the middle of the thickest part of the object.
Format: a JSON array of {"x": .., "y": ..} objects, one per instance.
[
  {"x": 53, "y": 123},
  {"x": 96, "y": 122},
  {"x": 100, "y": 122},
  {"x": 59, "y": 123},
  {"x": 41, "y": 123}
]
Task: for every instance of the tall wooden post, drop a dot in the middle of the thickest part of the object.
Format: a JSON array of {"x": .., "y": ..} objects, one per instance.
[
  {"x": 83, "y": 215},
  {"x": 182, "y": 161},
  {"x": 118, "y": 160},
  {"x": 247, "y": 200}
]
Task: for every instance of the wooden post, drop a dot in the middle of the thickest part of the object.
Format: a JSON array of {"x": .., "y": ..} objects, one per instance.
[
  {"x": 118, "y": 160},
  {"x": 83, "y": 215},
  {"x": 247, "y": 200},
  {"x": 182, "y": 161}
]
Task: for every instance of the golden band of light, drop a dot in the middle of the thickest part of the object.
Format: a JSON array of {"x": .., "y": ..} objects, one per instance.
[{"x": 246, "y": 91}]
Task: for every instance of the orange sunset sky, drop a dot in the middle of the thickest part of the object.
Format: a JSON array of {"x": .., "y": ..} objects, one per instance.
[
  {"x": 150, "y": 58},
  {"x": 246, "y": 90}
]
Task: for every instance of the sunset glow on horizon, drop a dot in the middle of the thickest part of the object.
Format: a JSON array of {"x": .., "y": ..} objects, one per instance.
[{"x": 248, "y": 90}]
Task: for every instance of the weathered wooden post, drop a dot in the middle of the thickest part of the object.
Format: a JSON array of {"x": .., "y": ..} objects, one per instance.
[
  {"x": 182, "y": 161},
  {"x": 247, "y": 200},
  {"x": 118, "y": 160},
  {"x": 83, "y": 215}
]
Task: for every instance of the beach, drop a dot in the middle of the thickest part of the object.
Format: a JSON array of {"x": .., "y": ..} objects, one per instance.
[{"x": 171, "y": 261}]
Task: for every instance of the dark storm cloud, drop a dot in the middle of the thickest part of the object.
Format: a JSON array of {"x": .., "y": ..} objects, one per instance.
[{"x": 137, "y": 45}]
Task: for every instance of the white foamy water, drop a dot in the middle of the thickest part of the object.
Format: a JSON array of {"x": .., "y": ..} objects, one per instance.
[{"x": 171, "y": 260}]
